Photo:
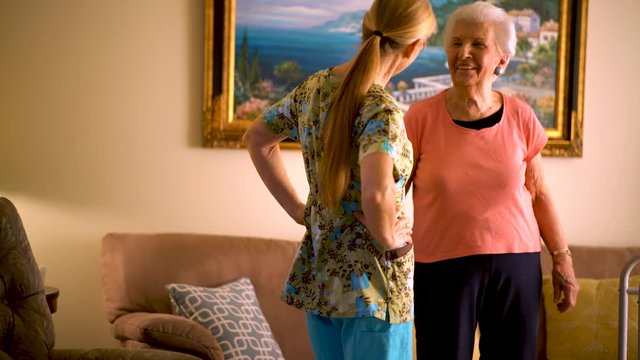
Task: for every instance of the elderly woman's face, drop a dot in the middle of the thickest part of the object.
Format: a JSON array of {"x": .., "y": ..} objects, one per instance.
[{"x": 472, "y": 54}]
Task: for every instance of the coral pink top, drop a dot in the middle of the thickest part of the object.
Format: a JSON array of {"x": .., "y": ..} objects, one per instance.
[{"x": 468, "y": 190}]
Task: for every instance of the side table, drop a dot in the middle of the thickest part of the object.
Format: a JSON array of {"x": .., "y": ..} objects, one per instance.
[{"x": 52, "y": 293}]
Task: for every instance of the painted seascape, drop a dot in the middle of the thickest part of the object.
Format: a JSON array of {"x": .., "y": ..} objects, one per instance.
[{"x": 280, "y": 42}]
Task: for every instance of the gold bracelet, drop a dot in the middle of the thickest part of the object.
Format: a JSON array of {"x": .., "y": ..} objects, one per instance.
[{"x": 561, "y": 251}]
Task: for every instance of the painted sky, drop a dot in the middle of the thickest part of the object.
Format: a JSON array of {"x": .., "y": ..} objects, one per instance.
[{"x": 294, "y": 13}]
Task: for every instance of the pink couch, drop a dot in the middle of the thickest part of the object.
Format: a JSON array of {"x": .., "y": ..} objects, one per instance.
[{"x": 136, "y": 268}]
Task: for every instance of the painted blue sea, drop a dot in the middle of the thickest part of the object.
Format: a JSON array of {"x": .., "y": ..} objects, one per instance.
[{"x": 315, "y": 49}]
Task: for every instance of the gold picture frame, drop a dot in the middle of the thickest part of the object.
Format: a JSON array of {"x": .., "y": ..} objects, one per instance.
[
  {"x": 222, "y": 130},
  {"x": 565, "y": 139}
]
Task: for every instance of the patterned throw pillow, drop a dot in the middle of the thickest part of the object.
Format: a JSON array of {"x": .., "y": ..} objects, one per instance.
[
  {"x": 590, "y": 330},
  {"x": 232, "y": 313}
]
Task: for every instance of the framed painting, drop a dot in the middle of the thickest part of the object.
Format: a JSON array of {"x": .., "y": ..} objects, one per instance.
[{"x": 256, "y": 51}]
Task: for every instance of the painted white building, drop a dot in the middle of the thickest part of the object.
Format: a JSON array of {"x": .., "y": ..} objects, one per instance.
[
  {"x": 527, "y": 23},
  {"x": 548, "y": 31},
  {"x": 525, "y": 20}
]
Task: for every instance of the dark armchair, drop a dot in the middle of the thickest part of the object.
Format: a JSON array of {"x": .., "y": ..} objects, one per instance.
[{"x": 26, "y": 327}]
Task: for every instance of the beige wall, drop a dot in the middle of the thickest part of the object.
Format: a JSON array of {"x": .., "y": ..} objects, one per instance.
[{"x": 100, "y": 131}]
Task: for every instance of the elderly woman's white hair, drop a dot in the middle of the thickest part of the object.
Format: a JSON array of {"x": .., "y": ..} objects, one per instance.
[{"x": 483, "y": 12}]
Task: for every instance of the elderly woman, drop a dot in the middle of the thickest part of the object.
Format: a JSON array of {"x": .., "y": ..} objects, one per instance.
[{"x": 481, "y": 204}]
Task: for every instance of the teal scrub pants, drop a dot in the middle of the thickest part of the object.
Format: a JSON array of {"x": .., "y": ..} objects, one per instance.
[{"x": 364, "y": 338}]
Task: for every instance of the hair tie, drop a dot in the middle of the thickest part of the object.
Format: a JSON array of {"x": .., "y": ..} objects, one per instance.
[{"x": 378, "y": 33}]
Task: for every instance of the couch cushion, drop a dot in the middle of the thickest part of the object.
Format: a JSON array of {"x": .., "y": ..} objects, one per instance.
[
  {"x": 590, "y": 330},
  {"x": 233, "y": 315},
  {"x": 596, "y": 262}
]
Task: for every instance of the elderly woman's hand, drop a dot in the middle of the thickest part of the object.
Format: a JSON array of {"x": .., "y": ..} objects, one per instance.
[{"x": 565, "y": 285}]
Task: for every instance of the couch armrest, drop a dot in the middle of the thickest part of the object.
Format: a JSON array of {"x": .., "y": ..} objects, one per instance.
[
  {"x": 119, "y": 354},
  {"x": 167, "y": 331}
]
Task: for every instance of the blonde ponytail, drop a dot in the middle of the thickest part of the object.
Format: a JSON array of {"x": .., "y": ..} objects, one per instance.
[
  {"x": 335, "y": 167},
  {"x": 389, "y": 25}
]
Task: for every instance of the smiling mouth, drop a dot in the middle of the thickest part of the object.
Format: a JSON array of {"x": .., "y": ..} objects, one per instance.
[{"x": 465, "y": 67}]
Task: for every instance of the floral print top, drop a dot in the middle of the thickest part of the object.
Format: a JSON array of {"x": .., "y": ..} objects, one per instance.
[{"x": 340, "y": 270}]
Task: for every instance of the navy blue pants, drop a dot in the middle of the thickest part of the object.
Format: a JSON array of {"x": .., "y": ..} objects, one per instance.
[{"x": 499, "y": 293}]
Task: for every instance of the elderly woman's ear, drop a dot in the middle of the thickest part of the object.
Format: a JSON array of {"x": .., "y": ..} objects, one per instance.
[{"x": 502, "y": 65}]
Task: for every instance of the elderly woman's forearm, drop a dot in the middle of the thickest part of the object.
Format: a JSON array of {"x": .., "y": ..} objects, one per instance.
[
  {"x": 548, "y": 222},
  {"x": 543, "y": 207}
]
